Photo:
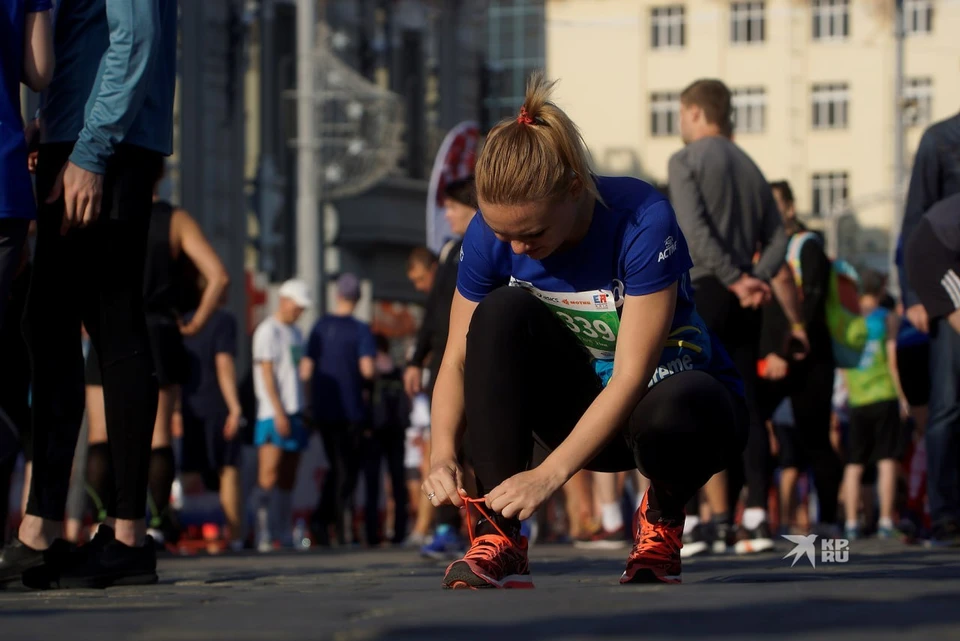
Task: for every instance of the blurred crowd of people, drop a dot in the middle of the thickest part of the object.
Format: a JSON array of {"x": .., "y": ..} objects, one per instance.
[{"x": 848, "y": 446}]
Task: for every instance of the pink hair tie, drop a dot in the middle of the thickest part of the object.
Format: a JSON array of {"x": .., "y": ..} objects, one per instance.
[{"x": 524, "y": 118}]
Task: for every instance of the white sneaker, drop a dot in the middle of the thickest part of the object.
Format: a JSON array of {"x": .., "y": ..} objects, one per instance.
[
  {"x": 415, "y": 540},
  {"x": 157, "y": 536}
]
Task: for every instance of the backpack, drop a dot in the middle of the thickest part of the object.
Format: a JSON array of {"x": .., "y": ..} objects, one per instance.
[
  {"x": 390, "y": 404},
  {"x": 847, "y": 327}
]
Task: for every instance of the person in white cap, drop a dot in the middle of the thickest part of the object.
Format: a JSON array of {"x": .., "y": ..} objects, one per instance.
[{"x": 280, "y": 434}]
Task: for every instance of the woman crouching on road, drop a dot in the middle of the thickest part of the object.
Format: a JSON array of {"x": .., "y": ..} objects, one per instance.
[{"x": 574, "y": 326}]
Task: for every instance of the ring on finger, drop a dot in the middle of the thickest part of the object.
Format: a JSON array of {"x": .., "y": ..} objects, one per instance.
[{"x": 431, "y": 495}]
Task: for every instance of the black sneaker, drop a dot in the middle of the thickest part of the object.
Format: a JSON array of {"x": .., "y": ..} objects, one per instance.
[
  {"x": 102, "y": 563},
  {"x": 754, "y": 541},
  {"x": 946, "y": 534},
  {"x": 725, "y": 538},
  {"x": 42, "y": 576},
  {"x": 696, "y": 541},
  {"x": 18, "y": 557}
]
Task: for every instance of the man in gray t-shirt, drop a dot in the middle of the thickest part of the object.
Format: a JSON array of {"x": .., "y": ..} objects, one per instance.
[{"x": 737, "y": 241}]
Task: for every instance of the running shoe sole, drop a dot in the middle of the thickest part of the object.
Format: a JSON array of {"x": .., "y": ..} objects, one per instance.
[
  {"x": 693, "y": 549},
  {"x": 646, "y": 575},
  {"x": 461, "y": 577},
  {"x": 753, "y": 546},
  {"x": 12, "y": 585}
]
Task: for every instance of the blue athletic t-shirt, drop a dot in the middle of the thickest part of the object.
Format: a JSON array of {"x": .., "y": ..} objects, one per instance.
[
  {"x": 336, "y": 345},
  {"x": 634, "y": 247},
  {"x": 16, "y": 190}
]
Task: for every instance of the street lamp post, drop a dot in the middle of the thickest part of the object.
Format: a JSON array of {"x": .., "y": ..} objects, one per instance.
[
  {"x": 348, "y": 137},
  {"x": 899, "y": 168},
  {"x": 309, "y": 245}
]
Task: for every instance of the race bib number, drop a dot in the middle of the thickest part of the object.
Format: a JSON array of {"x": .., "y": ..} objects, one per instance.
[{"x": 592, "y": 316}]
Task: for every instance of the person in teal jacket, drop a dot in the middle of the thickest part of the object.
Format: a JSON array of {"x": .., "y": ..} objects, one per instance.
[{"x": 106, "y": 123}]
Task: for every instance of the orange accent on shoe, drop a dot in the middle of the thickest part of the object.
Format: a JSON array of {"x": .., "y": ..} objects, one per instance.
[
  {"x": 655, "y": 556},
  {"x": 493, "y": 560}
]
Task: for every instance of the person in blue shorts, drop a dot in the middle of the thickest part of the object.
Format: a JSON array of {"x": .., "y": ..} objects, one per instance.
[
  {"x": 279, "y": 434},
  {"x": 26, "y": 54},
  {"x": 573, "y": 327}
]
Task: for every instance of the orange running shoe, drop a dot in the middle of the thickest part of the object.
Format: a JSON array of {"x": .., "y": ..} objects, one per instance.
[
  {"x": 493, "y": 560},
  {"x": 656, "y": 550}
]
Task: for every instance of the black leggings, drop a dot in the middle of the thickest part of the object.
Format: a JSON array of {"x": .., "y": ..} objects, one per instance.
[
  {"x": 527, "y": 378},
  {"x": 13, "y": 233},
  {"x": 810, "y": 389},
  {"x": 738, "y": 328},
  {"x": 378, "y": 446},
  {"x": 342, "y": 443},
  {"x": 92, "y": 276}
]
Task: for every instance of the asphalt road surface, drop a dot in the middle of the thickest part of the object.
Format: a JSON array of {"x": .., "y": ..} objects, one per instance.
[{"x": 883, "y": 591}]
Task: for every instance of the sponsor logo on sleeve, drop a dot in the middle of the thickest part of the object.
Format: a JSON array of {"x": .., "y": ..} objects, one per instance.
[{"x": 669, "y": 246}]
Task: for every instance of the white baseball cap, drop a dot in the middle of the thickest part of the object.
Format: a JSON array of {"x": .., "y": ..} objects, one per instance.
[{"x": 297, "y": 291}]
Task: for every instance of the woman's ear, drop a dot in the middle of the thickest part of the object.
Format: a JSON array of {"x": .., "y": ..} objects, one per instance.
[{"x": 576, "y": 187}]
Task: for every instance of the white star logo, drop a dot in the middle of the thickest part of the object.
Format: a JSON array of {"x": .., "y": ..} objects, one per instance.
[{"x": 805, "y": 545}]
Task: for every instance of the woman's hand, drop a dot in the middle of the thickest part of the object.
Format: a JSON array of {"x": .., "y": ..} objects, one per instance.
[
  {"x": 777, "y": 368},
  {"x": 520, "y": 495},
  {"x": 187, "y": 329},
  {"x": 444, "y": 484}
]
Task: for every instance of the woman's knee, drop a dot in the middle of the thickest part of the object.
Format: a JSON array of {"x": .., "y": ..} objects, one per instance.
[
  {"x": 499, "y": 315},
  {"x": 689, "y": 418}
]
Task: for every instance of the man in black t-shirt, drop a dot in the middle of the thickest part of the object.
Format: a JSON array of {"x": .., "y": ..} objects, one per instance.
[{"x": 212, "y": 414}]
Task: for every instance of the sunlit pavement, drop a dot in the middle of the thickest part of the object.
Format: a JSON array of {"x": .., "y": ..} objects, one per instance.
[{"x": 882, "y": 591}]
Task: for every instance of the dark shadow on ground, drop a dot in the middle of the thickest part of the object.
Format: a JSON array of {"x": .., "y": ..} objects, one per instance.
[
  {"x": 921, "y": 565},
  {"x": 810, "y": 616}
]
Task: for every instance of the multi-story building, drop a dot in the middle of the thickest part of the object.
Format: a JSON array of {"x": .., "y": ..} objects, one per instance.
[
  {"x": 813, "y": 83},
  {"x": 447, "y": 62}
]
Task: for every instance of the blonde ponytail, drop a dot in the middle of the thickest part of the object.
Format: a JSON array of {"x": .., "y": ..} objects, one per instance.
[{"x": 535, "y": 156}]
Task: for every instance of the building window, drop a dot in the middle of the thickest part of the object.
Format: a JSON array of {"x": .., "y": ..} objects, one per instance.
[
  {"x": 831, "y": 19},
  {"x": 918, "y": 96},
  {"x": 515, "y": 48},
  {"x": 666, "y": 27},
  {"x": 829, "y": 192},
  {"x": 747, "y": 22},
  {"x": 749, "y": 110},
  {"x": 918, "y": 16},
  {"x": 665, "y": 114},
  {"x": 830, "y": 102}
]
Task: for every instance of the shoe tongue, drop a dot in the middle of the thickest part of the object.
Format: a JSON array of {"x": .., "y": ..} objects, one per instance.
[
  {"x": 104, "y": 534},
  {"x": 489, "y": 526}
]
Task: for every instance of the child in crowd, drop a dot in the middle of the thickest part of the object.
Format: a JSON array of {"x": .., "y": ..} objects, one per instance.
[{"x": 877, "y": 406}]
